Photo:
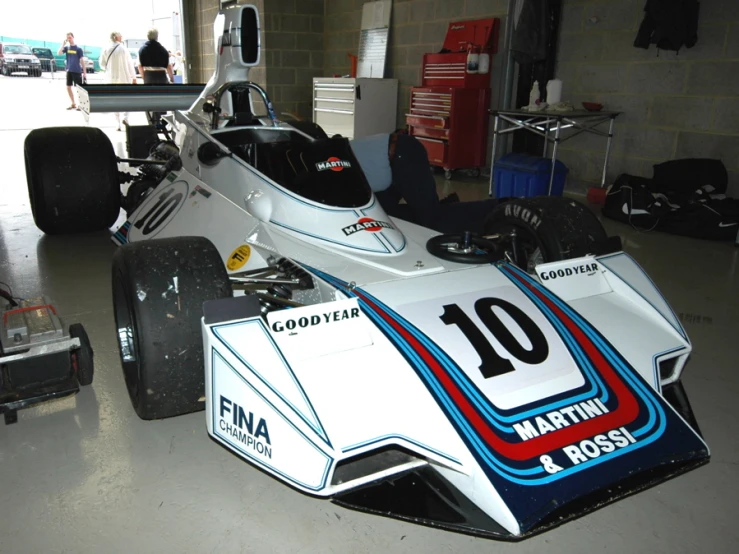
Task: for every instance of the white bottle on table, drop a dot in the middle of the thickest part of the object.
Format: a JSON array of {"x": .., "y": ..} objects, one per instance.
[
  {"x": 534, "y": 94},
  {"x": 554, "y": 91}
]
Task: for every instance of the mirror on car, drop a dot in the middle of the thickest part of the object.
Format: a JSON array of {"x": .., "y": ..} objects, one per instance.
[{"x": 249, "y": 35}]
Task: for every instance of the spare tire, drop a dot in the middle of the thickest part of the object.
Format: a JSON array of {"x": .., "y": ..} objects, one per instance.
[
  {"x": 548, "y": 228},
  {"x": 72, "y": 177},
  {"x": 159, "y": 287}
]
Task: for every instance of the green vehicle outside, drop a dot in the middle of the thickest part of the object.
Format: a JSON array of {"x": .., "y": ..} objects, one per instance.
[
  {"x": 92, "y": 53},
  {"x": 46, "y": 57}
]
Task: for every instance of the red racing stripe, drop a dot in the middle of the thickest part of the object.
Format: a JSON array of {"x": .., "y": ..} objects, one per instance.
[{"x": 626, "y": 411}]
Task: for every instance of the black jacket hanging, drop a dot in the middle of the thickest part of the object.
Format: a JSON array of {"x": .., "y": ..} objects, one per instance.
[
  {"x": 531, "y": 32},
  {"x": 669, "y": 24}
]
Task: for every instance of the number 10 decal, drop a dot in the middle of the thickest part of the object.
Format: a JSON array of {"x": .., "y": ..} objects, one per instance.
[
  {"x": 493, "y": 364},
  {"x": 159, "y": 209},
  {"x": 166, "y": 204}
]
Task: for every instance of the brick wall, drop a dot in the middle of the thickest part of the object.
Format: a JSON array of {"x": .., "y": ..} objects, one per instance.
[
  {"x": 675, "y": 105},
  {"x": 199, "y": 17},
  {"x": 293, "y": 52},
  {"x": 417, "y": 27}
]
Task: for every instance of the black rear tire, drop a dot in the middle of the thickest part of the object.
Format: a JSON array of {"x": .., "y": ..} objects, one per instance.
[
  {"x": 158, "y": 320},
  {"x": 72, "y": 178},
  {"x": 82, "y": 358},
  {"x": 559, "y": 228}
]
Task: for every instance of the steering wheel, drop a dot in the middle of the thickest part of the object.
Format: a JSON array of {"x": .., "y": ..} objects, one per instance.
[{"x": 464, "y": 248}]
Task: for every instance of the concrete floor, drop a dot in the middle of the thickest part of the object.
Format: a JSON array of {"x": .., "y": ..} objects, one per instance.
[{"x": 84, "y": 474}]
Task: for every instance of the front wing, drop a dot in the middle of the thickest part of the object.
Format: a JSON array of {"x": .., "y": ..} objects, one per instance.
[{"x": 373, "y": 414}]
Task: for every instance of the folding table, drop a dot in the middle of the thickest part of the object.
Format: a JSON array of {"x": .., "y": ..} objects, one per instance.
[{"x": 550, "y": 126}]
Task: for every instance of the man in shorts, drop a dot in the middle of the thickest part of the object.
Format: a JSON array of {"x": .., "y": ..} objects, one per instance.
[{"x": 76, "y": 72}]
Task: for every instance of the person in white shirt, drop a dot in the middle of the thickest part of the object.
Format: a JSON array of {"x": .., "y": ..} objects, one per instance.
[
  {"x": 117, "y": 63},
  {"x": 177, "y": 63}
]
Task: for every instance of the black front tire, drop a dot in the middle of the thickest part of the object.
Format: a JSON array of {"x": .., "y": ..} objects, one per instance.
[
  {"x": 159, "y": 287},
  {"x": 82, "y": 358},
  {"x": 72, "y": 178},
  {"x": 549, "y": 228}
]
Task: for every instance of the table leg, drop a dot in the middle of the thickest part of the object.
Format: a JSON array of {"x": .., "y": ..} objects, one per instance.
[
  {"x": 546, "y": 141},
  {"x": 554, "y": 155},
  {"x": 492, "y": 156},
  {"x": 608, "y": 152}
]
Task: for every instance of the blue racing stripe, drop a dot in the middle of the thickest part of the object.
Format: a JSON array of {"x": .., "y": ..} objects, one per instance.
[{"x": 482, "y": 450}]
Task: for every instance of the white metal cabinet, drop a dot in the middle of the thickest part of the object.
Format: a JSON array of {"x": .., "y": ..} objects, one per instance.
[{"x": 355, "y": 107}]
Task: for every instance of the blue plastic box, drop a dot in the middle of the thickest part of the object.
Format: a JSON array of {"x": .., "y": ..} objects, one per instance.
[{"x": 520, "y": 175}]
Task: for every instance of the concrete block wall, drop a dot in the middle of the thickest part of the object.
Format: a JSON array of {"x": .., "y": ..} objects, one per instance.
[
  {"x": 293, "y": 52},
  {"x": 199, "y": 17},
  {"x": 675, "y": 105},
  {"x": 201, "y": 58},
  {"x": 417, "y": 27}
]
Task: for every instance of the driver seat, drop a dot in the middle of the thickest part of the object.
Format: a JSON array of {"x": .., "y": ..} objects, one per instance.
[{"x": 242, "y": 109}]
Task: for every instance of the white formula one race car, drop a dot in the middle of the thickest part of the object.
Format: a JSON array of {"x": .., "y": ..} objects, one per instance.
[{"x": 496, "y": 385}]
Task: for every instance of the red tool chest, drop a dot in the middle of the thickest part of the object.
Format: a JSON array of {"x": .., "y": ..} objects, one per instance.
[
  {"x": 449, "y": 112},
  {"x": 451, "y": 125}
]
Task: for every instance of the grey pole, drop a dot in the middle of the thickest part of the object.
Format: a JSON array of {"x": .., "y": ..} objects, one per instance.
[
  {"x": 554, "y": 154},
  {"x": 492, "y": 160},
  {"x": 608, "y": 151}
]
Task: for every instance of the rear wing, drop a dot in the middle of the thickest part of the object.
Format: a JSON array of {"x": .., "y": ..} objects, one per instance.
[{"x": 136, "y": 98}]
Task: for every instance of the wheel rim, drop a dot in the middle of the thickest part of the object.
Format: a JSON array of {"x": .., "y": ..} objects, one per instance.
[
  {"x": 127, "y": 337},
  {"x": 530, "y": 245},
  {"x": 465, "y": 248}
]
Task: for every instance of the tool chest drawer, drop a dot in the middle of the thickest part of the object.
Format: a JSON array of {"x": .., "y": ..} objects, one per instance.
[
  {"x": 436, "y": 150},
  {"x": 452, "y": 123}
]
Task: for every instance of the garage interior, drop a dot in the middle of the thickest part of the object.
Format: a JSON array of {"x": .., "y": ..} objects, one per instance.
[{"x": 85, "y": 474}]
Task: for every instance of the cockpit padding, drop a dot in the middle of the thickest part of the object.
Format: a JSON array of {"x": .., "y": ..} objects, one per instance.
[
  {"x": 256, "y": 135},
  {"x": 324, "y": 171}
]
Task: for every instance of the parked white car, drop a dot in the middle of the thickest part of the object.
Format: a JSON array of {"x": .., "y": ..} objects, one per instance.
[{"x": 18, "y": 58}]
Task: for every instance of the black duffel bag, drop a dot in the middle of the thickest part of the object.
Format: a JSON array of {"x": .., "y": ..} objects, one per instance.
[{"x": 632, "y": 201}]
